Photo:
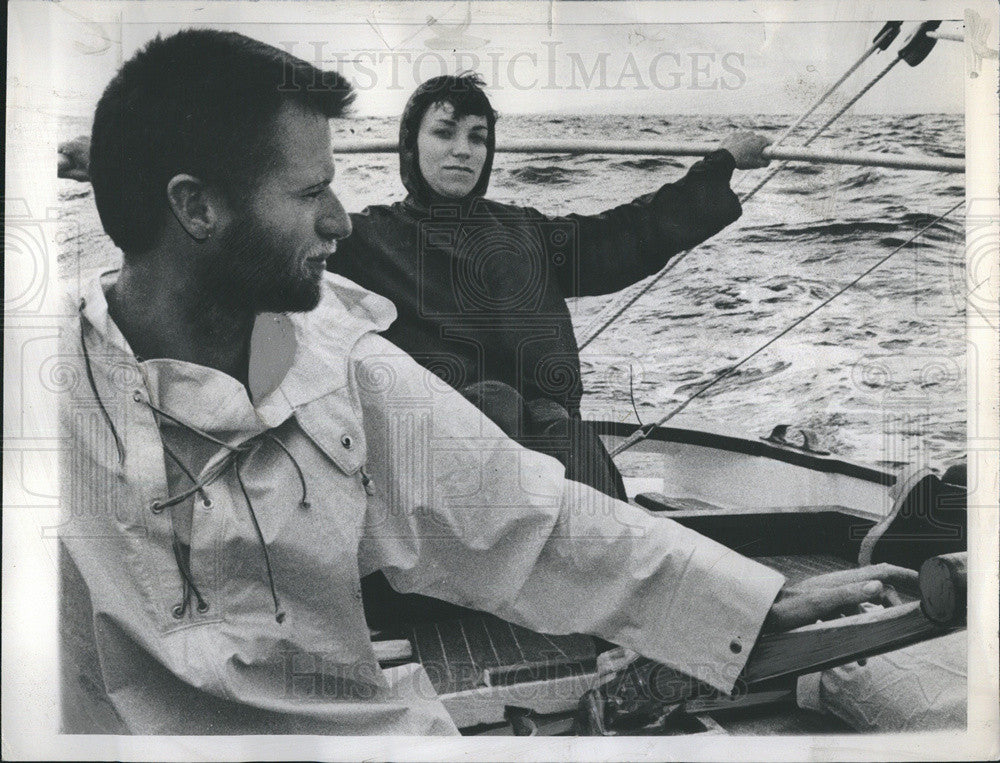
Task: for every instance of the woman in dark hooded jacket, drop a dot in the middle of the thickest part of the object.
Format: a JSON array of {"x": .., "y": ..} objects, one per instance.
[{"x": 481, "y": 287}]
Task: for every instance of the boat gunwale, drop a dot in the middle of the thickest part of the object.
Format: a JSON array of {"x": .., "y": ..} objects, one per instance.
[{"x": 745, "y": 446}]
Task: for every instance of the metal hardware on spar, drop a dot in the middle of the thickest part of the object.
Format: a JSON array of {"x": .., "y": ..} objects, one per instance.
[
  {"x": 914, "y": 51},
  {"x": 881, "y": 42}
]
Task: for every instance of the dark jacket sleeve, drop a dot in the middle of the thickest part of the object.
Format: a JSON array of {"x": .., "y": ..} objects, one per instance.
[{"x": 616, "y": 248}]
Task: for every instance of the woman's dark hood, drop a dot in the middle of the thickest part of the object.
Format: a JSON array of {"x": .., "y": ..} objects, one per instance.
[{"x": 429, "y": 93}]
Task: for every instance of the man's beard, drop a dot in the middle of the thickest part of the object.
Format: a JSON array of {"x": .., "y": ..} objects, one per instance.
[{"x": 256, "y": 273}]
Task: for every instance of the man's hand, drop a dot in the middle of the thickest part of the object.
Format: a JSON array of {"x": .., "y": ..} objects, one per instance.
[
  {"x": 837, "y": 592},
  {"x": 746, "y": 148},
  {"x": 74, "y": 159}
]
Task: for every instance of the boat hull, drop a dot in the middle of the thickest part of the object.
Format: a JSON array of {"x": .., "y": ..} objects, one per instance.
[{"x": 729, "y": 473}]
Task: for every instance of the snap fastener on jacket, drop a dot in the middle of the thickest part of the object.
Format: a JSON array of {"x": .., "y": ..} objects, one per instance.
[
  {"x": 137, "y": 395},
  {"x": 206, "y": 503},
  {"x": 735, "y": 646},
  {"x": 346, "y": 441}
]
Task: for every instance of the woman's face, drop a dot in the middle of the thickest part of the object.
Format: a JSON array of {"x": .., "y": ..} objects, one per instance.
[{"x": 451, "y": 151}]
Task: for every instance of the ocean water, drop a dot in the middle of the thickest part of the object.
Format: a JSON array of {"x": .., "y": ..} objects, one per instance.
[{"x": 879, "y": 375}]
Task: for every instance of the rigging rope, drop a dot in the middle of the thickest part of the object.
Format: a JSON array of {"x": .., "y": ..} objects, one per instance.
[
  {"x": 881, "y": 42},
  {"x": 641, "y": 290},
  {"x": 822, "y": 128},
  {"x": 643, "y": 432},
  {"x": 913, "y": 52}
]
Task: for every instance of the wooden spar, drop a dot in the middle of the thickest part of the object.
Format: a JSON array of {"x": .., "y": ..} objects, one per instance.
[
  {"x": 366, "y": 146},
  {"x": 647, "y": 148},
  {"x": 865, "y": 159}
]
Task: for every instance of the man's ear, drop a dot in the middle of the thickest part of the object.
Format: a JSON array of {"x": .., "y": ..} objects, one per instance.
[{"x": 197, "y": 209}]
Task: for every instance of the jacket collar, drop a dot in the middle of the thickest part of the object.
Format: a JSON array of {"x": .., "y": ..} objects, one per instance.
[{"x": 323, "y": 340}]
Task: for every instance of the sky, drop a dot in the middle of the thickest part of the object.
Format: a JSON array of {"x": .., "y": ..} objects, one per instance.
[{"x": 592, "y": 57}]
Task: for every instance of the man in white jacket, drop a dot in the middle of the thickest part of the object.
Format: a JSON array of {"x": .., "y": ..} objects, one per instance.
[{"x": 245, "y": 446}]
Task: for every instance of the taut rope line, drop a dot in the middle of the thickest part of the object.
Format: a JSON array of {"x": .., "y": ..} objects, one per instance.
[
  {"x": 881, "y": 42},
  {"x": 822, "y": 128},
  {"x": 913, "y": 52},
  {"x": 642, "y": 433}
]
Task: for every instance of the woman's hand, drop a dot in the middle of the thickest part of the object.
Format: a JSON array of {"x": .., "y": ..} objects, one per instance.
[
  {"x": 837, "y": 592},
  {"x": 746, "y": 148}
]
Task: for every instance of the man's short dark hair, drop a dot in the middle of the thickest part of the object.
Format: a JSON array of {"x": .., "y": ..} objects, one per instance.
[{"x": 200, "y": 102}]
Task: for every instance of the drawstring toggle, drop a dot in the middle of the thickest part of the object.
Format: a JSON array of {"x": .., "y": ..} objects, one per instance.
[{"x": 366, "y": 482}]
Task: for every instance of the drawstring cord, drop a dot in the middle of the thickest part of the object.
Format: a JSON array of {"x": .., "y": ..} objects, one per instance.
[
  {"x": 198, "y": 487},
  {"x": 279, "y": 614},
  {"x": 93, "y": 386},
  {"x": 304, "y": 500},
  {"x": 187, "y": 472},
  {"x": 188, "y": 587},
  {"x": 231, "y": 459},
  {"x": 194, "y": 430}
]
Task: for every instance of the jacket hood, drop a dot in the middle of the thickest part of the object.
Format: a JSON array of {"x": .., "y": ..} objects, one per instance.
[{"x": 409, "y": 164}]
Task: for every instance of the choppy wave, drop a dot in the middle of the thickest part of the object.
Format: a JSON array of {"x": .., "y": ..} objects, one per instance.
[
  {"x": 862, "y": 230},
  {"x": 805, "y": 169},
  {"x": 862, "y": 179},
  {"x": 821, "y": 230},
  {"x": 545, "y": 175},
  {"x": 647, "y": 163},
  {"x": 737, "y": 378}
]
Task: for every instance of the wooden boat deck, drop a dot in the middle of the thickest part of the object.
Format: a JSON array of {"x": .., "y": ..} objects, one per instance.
[{"x": 798, "y": 567}]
